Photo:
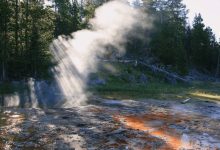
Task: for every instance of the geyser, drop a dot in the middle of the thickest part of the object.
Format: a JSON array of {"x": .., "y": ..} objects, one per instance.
[{"x": 77, "y": 56}]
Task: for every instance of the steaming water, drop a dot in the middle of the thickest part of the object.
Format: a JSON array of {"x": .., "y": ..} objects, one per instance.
[{"x": 77, "y": 56}]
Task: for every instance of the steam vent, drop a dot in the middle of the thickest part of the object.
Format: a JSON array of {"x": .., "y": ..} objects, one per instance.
[{"x": 109, "y": 75}]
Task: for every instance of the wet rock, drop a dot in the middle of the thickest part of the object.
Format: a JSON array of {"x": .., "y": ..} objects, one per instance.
[
  {"x": 23, "y": 135},
  {"x": 178, "y": 127},
  {"x": 89, "y": 128},
  {"x": 81, "y": 125},
  {"x": 113, "y": 102},
  {"x": 65, "y": 117},
  {"x": 31, "y": 144},
  {"x": 118, "y": 131},
  {"x": 155, "y": 123}
]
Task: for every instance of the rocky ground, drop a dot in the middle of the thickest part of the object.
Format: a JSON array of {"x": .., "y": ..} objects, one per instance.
[{"x": 116, "y": 125}]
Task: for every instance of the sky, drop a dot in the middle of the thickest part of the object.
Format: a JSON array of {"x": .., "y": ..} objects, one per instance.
[{"x": 210, "y": 11}]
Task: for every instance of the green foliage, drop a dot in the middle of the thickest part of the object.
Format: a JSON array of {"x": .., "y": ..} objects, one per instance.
[
  {"x": 204, "y": 46},
  {"x": 88, "y": 13},
  {"x": 67, "y": 17},
  {"x": 168, "y": 38},
  {"x": 5, "y": 15},
  {"x": 28, "y": 27},
  {"x": 159, "y": 90},
  {"x": 155, "y": 88},
  {"x": 26, "y": 31},
  {"x": 176, "y": 44}
]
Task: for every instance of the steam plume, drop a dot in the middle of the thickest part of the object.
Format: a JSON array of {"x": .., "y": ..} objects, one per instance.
[{"x": 77, "y": 56}]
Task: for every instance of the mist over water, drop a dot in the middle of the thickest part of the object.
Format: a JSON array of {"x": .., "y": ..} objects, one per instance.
[{"x": 77, "y": 56}]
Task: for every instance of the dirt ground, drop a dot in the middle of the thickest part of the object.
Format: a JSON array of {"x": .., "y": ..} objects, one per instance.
[{"x": 114, "y": 124}]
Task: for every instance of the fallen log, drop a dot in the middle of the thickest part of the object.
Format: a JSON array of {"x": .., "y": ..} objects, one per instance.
[
  {"x": 156, "y": 69},
  {"x": 152, "y": 67},
  {"x": 186, "y": 101}
]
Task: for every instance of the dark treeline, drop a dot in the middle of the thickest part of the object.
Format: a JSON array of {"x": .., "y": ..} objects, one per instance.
[
  {"x": 27, "y": 28},
  {"x": 177, "y": 44}
]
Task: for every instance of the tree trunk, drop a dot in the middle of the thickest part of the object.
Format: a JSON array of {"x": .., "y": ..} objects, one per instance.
[
  {"x": 26, "y": 24},
  {"x": 16, "y": 27},
  {"x": 3, "y": 71},
  {"x": 26, "y": 32},
  {"x": 4, "y": 50}
]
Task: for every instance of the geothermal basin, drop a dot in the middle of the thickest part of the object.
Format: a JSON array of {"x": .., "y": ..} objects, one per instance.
[{"x": 114, "y": 124}]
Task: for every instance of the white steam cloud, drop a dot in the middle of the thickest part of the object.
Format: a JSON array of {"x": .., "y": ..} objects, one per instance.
[{"x": 77, "y": 56}]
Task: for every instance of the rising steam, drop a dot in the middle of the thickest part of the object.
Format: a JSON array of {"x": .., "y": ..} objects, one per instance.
[{"x": 77, "y": 56}]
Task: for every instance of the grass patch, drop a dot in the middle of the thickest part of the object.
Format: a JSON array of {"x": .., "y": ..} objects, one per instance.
[
  {"x": 120, "y": 90},
  {"x": 206, "y": 95},
  {"x": 158, "y": 90}
]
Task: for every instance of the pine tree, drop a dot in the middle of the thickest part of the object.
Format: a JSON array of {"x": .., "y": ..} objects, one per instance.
[
  {"x": 26, "y": 30},
  {"x": 202, "y": 45},
  {"x": 218, "y": 62},
  {"x": 68, "y": 17},
  {"x": 5, "y": 14},
  {"x": 168, "y": 39}
]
